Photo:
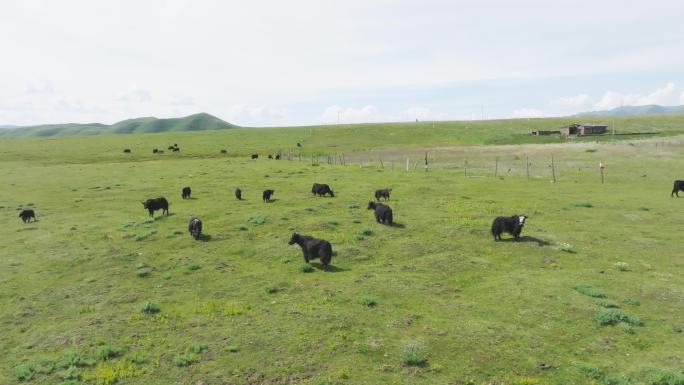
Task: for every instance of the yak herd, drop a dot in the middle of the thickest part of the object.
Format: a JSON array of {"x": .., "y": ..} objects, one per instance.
[{"x": 313, "y": 248}]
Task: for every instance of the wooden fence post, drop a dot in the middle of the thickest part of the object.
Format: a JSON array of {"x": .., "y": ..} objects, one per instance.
[
  {"x": 527, "y": 165},
  {"x": 553, "y": 169},
  {"x": 465, "y": 168},
  {"x": 381, "y": 165},
  {"x": 427, "y": 164},
  {"x": 496, "y": 167}
]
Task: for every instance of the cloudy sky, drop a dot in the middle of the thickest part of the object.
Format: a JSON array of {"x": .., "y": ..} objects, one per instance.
[{"x": 294, "y": 62}]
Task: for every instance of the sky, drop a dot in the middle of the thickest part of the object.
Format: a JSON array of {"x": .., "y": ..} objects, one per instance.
[{"x": 300, "y": 62}]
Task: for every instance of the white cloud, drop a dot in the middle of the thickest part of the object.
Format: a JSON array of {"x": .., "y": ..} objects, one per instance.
[
  {"x": 367, "y": 114},
  {"x": 681, "y": 98},
  {"x": 573, "y": 102},
  {"x": 136, "y": 95},
  {"x": 40, "y": 87},
  {"x": 528, "y": 113},
  {"x": 612, "y": 99},
  {"x": 244, "y": 114}
]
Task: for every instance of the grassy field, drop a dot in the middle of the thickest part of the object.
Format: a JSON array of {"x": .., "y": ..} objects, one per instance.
[{"x": 96, "y": 292}]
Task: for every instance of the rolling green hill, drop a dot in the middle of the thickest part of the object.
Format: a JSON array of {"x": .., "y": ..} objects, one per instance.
[
  {"x": 637, "y": 110},
  {"x": 197, "y": 122}
]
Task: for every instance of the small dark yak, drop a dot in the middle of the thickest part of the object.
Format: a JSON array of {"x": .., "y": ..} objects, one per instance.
[
  {"x": 155, "y": 204},
  {"x": 185, "y": 194},
  {"x": 195, "y": 228},
  {"x": 313, "y": 248},
  {"x": 27, "y": 214},
  {"x": 267, "y": 195},
  {"x": 678, "y": 186},
  {"x": 383, "y": 213},
  {"x": 383, "y": 193},
  {"x": 512, "y": 225},
  {"x": 321, "y": 189},
  {"x": 238, "y": 194}
]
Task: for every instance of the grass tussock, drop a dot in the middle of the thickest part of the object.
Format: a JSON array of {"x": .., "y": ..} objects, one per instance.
[
  {"x": 589, "y": 290},
  {"x": 614, "y": 316}
]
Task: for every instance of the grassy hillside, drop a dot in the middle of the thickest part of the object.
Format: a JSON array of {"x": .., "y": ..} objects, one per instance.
[
  {"x": 197, "y": 122},
  {"x": 637, "y": 110},
  {"x": 96, "y": 292}
]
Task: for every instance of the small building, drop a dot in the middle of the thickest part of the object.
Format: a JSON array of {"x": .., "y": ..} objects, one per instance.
[{"x": 584, "y": 129}]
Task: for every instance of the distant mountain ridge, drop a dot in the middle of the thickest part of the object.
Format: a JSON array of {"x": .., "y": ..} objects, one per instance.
[
  {"x": 651, "y": 109},
  {"x": 196, "y": 122}
]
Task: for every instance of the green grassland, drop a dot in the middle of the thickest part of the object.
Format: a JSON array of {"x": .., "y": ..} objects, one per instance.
[{"x": 96, "y": 292}]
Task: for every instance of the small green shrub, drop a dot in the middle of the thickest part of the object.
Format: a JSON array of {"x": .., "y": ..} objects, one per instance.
[
  {"x": 270, "y": 289},
  {"x": 185, "y": 359},
  {"x": 359, "y": 237},
  {"x": 353, "y": 206},
  {"x": 197, "y": 348},
  {"x": 24, "y": 372},
  {"x": 285, "y": 260},
  {"x": 241, "y": 227},
  {"x": 589, "y": 290},
  {"x": 257, "y": 219},
  {"x": 632, "y": 301},
  {"x": 625, "y": 327},
  {"x": 608, "y": 304},
  {"x": 412, "y": 355},
  {"x": 106, "y": 352},
  {"x": 138, "y": 358},
  {"x": 71, "y": 373},
  {"x": 367, "y": 232},
  {"x": 192, "y": 265},
  {"x": 148, "y": 307},
  {"x": 142, "y": 272},
  {"x": 231, "y": 349},
  {"x": 665, "y": 377},
  {"x": 590, "y": 371},
  {"x": 306, "y": 268},
  {"x": 614, "y": 316},
  {"x": 69, "y": 382},
  {"x": 145, "y": 235},
  {"x": 72, "y": 358},
  {"x": 585, "y": 204},
  {"x": 368, "y": 300}
]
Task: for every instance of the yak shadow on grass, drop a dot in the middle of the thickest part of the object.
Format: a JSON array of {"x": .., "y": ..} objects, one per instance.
[
  {"x": 161, "y": 217},
  {"x": 204, "y": 238},
  {"x": 330, "y": 269},
  {"x": 527, "y": 238},
  {"x": 398, "y": 225},
  {"x": 272, "y": 200}
]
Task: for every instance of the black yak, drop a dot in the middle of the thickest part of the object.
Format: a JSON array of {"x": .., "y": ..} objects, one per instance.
[
  {"x": 512, "y": 225},
  {"x": 313, "y": 248},
  {"x": 383, "y": 213},
  {"x": 155, "y": 204},
  {"x": 27, "y": 214},
  {"x": 678, "y": 186},
  {"x": 270, "y": 156},
  {"x": 277, "y": 157},
  {"x": 155, "y": 151},
  {"x": 186, "y": 193},
  {"x": 127, "y": 150},
  {"x": 238, "y": 194},
  {"x": 321, "y": 189},
  {"x": 267, "y": 195},
  {"x": 224, "y": 151},
  {"x": 382, "y": 193},
  {"x": 195, "y": 228},
  {"x": 255, "y": 156}
]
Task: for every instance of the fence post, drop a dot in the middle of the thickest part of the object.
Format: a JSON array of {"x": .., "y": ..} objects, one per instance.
[
  {"x": 527, "y": 164},
  {"x": 496, "y": 167},
  {"x": 465, "y": 168},
  {"x": 601, "y": 167},
  {"x": 381, "y": 165},
  {"x": 553, "y": 169}
]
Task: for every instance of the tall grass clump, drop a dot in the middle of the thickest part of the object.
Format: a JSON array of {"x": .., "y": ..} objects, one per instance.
[
  {"x": 613, "y": 316},
  {"x": 585, "y": 204},
  {"x": 148, "y": 307},
  {"x": 306, "y": 268},
  {"x": 106, "y": 352},
  {"x": 413, "y": 354},
  {"x": 368, "y": 301},
  {"x": 589, "y": 290}
]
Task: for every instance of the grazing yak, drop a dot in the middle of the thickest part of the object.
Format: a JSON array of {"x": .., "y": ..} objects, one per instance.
[
  {"x": 176, "y": 149},
  {"x": 382, "y": 193},
  {"x": 155, "y": 151},
  {"x": 321, "y": 189},
  {"x": 313, "y": 248},
  {"x": 270, "y": 156},
  {"x": 186, "y": 193},
  {"x": 27, "y": 214},
  {"x": 171, "y": 148},
  {"x": 238, "y": 194},
  {"x": 299, "y": 144},
  {"x": 277, "y": 157},
  {"x": 255, "y": 156},
  {"x": 195, "y": 228},
  {"x": 155, "y": 204},
  {"x": 127, "y": 150},
  {"x": 383, "y": 213},
  {"x": 267, "y": 195},
  {"x": 678, "y": 186},
  {"x": 224, "y": 151},
  {"x": 512, "y": 225}
]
